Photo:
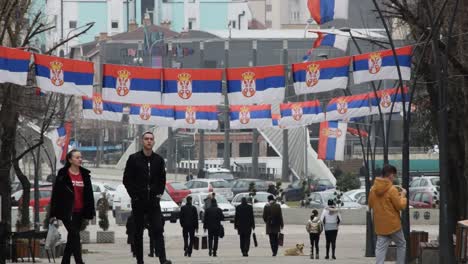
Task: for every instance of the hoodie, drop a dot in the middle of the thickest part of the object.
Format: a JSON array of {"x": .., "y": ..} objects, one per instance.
[
  {"x": 330, "y": 218},
  {"x": 386, "y": 203}
]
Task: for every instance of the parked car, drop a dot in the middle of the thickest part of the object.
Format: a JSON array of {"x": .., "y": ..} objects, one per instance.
[
  {"x": 362, "y": 200},
  {"x": 294, "y": 192},
  {"x": 45, "y": 193},
  {"x": 423, "y": 199},
  {"x": 98, "y": 189},
  {"x": 356, "y": 194},
  {"x": 425, "y": 183},
  {"x": 123, "y": 205},
  {"x": 178, "y": 191},
  {"x": 319, "y": 200},
  {"x": 198, "y": 200},
  {"x": 243, "y": 185},
  {"x": 320, "y": 185},
  {"x": 259, "y": 200},
  {"x": 218, "y": 186},
  {"x": 219, "y": 173}
]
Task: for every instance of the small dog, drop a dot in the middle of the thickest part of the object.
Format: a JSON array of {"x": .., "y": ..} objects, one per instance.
[{"x": 296, "y": 251}]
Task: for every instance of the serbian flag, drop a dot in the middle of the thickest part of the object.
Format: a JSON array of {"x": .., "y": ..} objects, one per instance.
[
  {"x": 60, "y": 138},
  {"x": 256, "y": 85},
  {"x": 250, "y": 116},
  {"x": 96, "y": 108},
  {"x": 321, "y": 76},
  {"x": 65, "y": 76},
  {"x": 301, "y": 113},
  {"x": 347, "y": 107},
  {"x": 14, "y": 66},
  {"x": 323, "y": 11},
  {"x": 382, "y": 65},
  {"x": 332, "y": 140},
  {"x": 386, "y": 97},
  {"x": 203, "y": 117},
  {"x": 131, "y": 84},
  {"x": 331, "y": 40},
  {"x": 275, "y": 118},
  {"x": 193, "y": 86},
  {"x": 146, "y": 114}
]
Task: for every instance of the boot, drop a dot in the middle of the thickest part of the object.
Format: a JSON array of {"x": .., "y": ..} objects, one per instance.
[
  {"x": 311, "y": 253},
  {"x": 317, "y": 256}
]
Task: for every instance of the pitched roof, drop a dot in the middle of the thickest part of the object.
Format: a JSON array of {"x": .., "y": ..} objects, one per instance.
[{"x": 138, "y": 34}]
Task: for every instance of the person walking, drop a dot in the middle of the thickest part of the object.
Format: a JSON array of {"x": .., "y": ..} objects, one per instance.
[
  {"x": 212, "y": 223},
  {"x": 273, "y": 218},
  {"x": 386, "y": 202},
  {"x": 188, "y": 220},
  {"x": 314, "y": 227},
  {"x": 72, "y": 201},
  {"x": 331, "y": 219},
  {"x": 145, "y": 181},
  {"x": 244, "y": 223},
  {"x": 207, "y": 200}
]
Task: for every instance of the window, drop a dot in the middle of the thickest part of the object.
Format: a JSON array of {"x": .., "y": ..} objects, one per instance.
[
  {"x": 115, "y": 24},
  {"x": 96, "y": 188},
  {"x": 191, "y": 23},
  {"x": 178, "y": 186},
  {"x": 415, "y": 183},
  {"x": 72, "y": 24},
  {"x": 435, "y": 181},
  {"x": 268, "y": 8},
  {"x": 220, "y": 149},
  {"x": 245, "y": 149},
  {"x": 426, "y": 198},
  {"x": 423, "y": 183},
  {"x": 202, "y": 185},
  {"x": 189, "y": 184},
  {"x": 417, "y": 197},
  {"x": 233, "y": 23},
  {"x": 271, "y": 151},
  {"x": 220, "y": 184}
]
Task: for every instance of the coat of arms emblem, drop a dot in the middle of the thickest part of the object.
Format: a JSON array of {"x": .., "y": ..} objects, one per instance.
[
  {"x": 312, "y": 75},
  {"x": 56, "y": 73},
  {"x": 385, "y": 100},
  {"x": 244, "y": 115},
  {"x": 375, "y": 63},
  {"x": 342, "y": 106},
  {"x": 248, "y": 84},
  {"x": 145, "y": 111},
  {"x": 296, "y": 111},
  {"x": 190, "y": 115},
  {"x": 60, "y": 141},
  {"x": 98, "y": 107},
  {"x": 184, "y": 85},
  {"x": 123, "y": 82}
]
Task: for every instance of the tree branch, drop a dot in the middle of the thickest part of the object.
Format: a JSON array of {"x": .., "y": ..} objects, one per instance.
[{"x": 70, "y": 38}]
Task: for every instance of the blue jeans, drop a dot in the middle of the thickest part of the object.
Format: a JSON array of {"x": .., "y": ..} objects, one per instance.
[{"x": 382, "y": 245}]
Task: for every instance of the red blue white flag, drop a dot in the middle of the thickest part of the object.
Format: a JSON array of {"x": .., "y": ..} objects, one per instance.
[
  {"x": 275, "y": 118},
  {"x": 381, "y": 65},
  {"x": 256, "y": 85},
  {"x": 193, "y": 87},
  {"x": 65, "y": 76},
  {"x": 202, "y": 117},
  {"x": 332, "y": 140},
  {"x": 301, "y": 113},
  {"x": 331, "y": 40},
  {"x": 386, "y": 97},
  {"x": 146, "y": 114},
  {"x": 321, "y": 76},
  {"x": 14, "y": 66},
  {"x": 250, "y": 116},
  {"x": 131, "y": 84},
  {"x": 323, "y": 11},
  {"x": 347, "y": 107},
  {"x": 60, "y": 138},
  {"x": 96, "y": 108}
]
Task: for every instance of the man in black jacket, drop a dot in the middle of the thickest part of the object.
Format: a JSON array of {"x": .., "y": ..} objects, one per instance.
[
  {"x": 273, "y": 218},
  {"x": 145, "y": 181},
  {"x": 244, "y": 222},
  {"x": 189, "y": 222}
]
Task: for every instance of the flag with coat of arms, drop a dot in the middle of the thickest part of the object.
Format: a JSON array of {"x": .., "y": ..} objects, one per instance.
[
  {"x": 301, "y": 113},
  {"x": 14, "y": 65},
  {"x": 386, "y": 97},
  {"x": 250, "y": 116},
  {"x": 98, "y": 109},
  {"x": 332, "y": 139},
  {"x": 202, "y": 117},
  {"x": 146, "y": 114},
  {"x": 348, "y": 107},
  {"x": 60, "y": 138}
]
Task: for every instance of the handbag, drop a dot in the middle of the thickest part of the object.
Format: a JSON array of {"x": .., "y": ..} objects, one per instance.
[
  {"x": 221, "y": 231},
  {"x": 196, "y": 242},
  {"x": 254, "y": 237},
  {"x": 280, "y": 239},
  {"x": 204, "y": 242}
]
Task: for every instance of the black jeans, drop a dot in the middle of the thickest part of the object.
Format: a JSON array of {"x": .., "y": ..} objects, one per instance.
[
  {"x": 330, "y": 236},
  {"x": 274, "y": 243},
  {"x": 314, "y": 242},
  {"x": 213, "y": 241},
  {"x": 152, "y": 211},
  {"x": 245, "y": 242},
  {"x": 73, "y": 246},
  {"x": 188, "y": 245}
]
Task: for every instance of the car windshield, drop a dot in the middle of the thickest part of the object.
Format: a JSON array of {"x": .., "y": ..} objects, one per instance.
[
  {"x": 435, "y": 181},
  {"x": 219, "y": 198},
  {"x": 220, "y": 184},
  {"x": 328, "y": 196},
  {"x": 165, "y": 197},
  {"x": 178, "y": 186},
  {"x": 220, "y": 175},
  {"x": 324, "y": 182},
  {"x": 261, "y": 197}
]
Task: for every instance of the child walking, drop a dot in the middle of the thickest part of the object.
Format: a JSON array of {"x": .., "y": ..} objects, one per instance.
[{"x": 314, "y": 228}]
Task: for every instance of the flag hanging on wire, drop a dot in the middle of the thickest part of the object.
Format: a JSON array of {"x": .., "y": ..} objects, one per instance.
[
  {"x": 60, "y": 138},
  {"x": 385, "y": 99},
  {"x": 347, "y": 107},
  {"x": 332, "y": 140},
  {"x": 323, "y": 11},
  {"x": 301, "y": 113},
  {"x": 203, "y": 117},
  {"x": 146, "y": 114},
  {"x": 250, "y": 116},
  {"x": 98, "y": 109},
  {"x": 14, "y": 66},
  {"x": 331, "y": 40}
]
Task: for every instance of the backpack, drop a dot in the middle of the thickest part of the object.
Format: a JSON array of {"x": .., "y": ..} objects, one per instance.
[{"x": 315, "y": 227}]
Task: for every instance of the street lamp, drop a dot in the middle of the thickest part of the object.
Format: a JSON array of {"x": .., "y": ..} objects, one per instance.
[
  {"x": 374, "y": 41},
  {"x": 90, "y": 24}
]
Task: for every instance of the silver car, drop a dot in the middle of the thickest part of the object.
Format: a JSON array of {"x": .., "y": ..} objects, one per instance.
[
  {"x": 218, "y": 186},
  {"x": 198, "y": 200},
  {"x": 319, "y": 200}
]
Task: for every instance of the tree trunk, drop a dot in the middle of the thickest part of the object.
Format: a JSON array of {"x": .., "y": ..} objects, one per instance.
[{"x": 24, "y": 206}]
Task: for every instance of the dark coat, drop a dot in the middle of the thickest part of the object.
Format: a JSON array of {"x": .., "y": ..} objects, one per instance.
[
  {"x": 213, "y": 217},
  {"x": 141, "y": 183},
  {"x": 273, "y": 218},
  {"x": 63, "y": 196},
  {"x": 244, "y": 220},
  {"x": 189, "y": 217}
]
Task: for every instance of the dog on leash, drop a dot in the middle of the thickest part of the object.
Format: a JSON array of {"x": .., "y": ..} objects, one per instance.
[{"x": 296, "y": 251}]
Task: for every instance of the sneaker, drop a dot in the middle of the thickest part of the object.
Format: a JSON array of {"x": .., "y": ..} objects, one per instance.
[
  {"x": 333, "y": 257},
  {"x": 327, "y": 257},
  {"x": 317, "y": 256},
  {"x": 214, "y": 254}
]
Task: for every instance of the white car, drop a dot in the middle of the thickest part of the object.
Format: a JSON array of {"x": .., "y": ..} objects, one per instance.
[
  {"x": 218, "y": 186},
  {"x": 355, "y": 194},
  {"x": 198, "y": 200},
  {"x": 425, "y": 183},
  {"x": 122, "y": 206},
  {"x": 260, "y": 200},
  {"x": 320, "y": 200},
  {"x": 99, "y": 188}
]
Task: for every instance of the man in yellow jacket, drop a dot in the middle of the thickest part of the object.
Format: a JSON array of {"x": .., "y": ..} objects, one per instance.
[{"x": 386, "y": 202}]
